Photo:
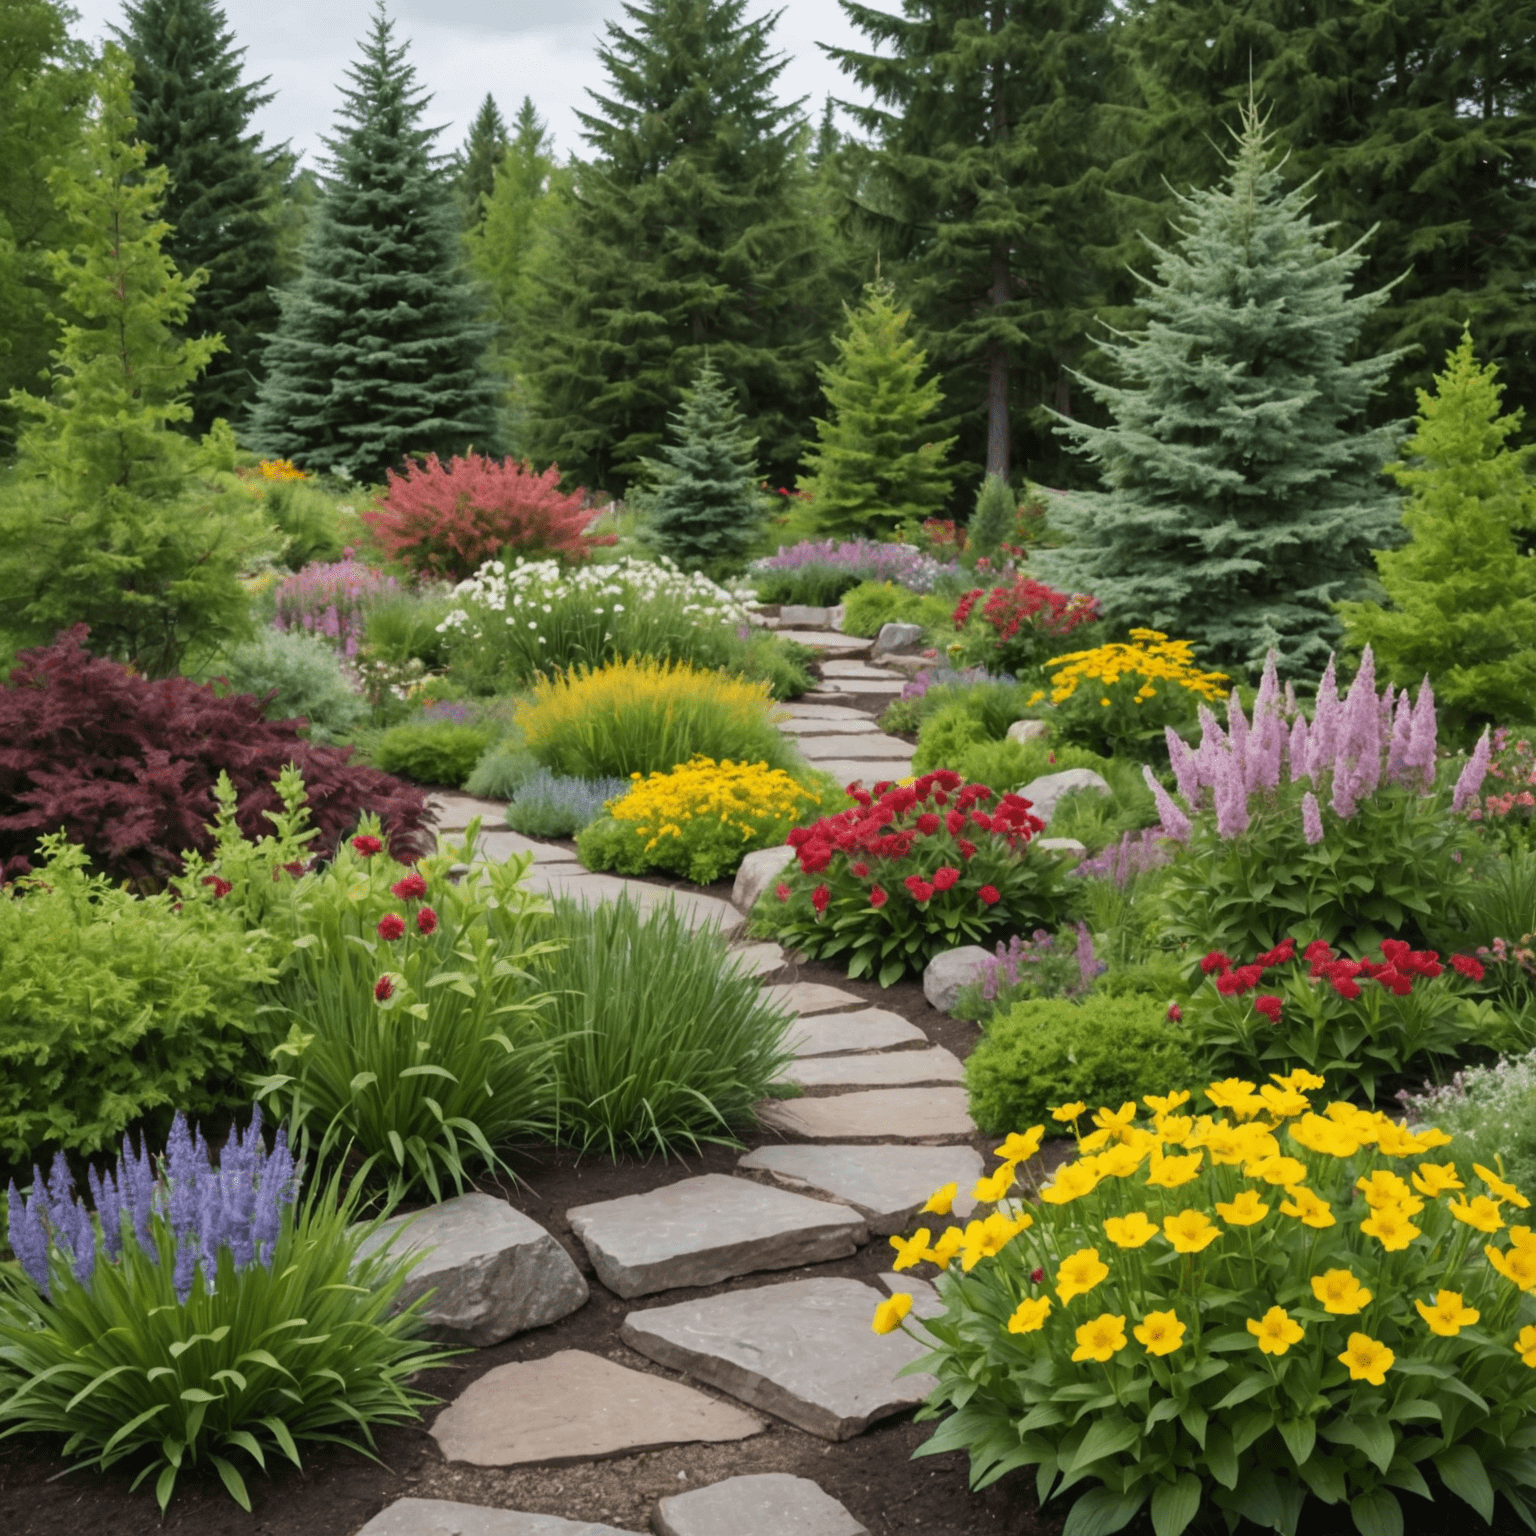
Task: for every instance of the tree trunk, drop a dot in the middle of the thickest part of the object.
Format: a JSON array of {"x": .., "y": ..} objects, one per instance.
[{"x": 997, "y": 370}]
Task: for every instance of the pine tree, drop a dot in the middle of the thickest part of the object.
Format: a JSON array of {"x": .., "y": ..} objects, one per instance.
[
  {"x": 379, "y": 350},
  {"x": 992, "y": 523},
  {"x": 691, "y": 232},
  {"x": 1244, "y": 495},
  {"x": 96, "y": 525},
  {"x": 988, "y": 134},
  {"x": 194, "y": 111},
  {"x": 1462, "y": 591},
  {"x": 475, "y": 166},
  {"x": 705, "y": 508},
  {"x": 876, "y": 461}
]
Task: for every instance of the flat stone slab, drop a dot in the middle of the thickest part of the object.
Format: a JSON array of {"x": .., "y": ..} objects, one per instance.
[
  {"x": 701, "y": 911},
  {"x": 885, "y": 1114},
  {"x": 827, "y": 640},
  {"x": 495, "y": 1271},
  {"x": 707, "y": 1229},
  {"x": 808, "y": 614},
  {"x": 444, "y": 1517},
  {"x": 885, "y": 1185},
  {"x": 760, "y": 959},
  {"x": 876, "y": 744},
  {"x": 763, "y": 1504},
  {"x": 856, "y": 722},
  {"x": 802, "y": 710},
  {"x": 860, "y": 669},
  {"x": 876, "y": 1070},
  {"x": 455, "y": 812},
  {"x": 869, "y": 1029},
  {"x": 837, "y": 685},
  {"x": 502, "y": 843},
  {"x": 849, "y": 770},
  {"x": 808, "y": 996},
  {"x": 576, "y": 1406},
  {"x": 803, "y": 1350}
]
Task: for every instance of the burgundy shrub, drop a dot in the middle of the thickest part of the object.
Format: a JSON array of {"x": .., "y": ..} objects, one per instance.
[{"x": 126, "y": 766}]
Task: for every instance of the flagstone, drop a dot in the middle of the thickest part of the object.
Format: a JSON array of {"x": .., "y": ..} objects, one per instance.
[
  {"x": 868, "y": 1029},
  {"x": 761, "y": 1504},
  {"x": 885, "y": 1114},
  {"x": 446, "y": 1517},
  {"x": 876, "y": 744},
  {"x": 760, "y": 959},
  {"x": 847, "y": 770},
  {"x": 809, "y": 996},
  {"x": 876, "y": 1070}
]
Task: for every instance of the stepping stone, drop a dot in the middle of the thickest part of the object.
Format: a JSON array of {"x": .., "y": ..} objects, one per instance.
[
  {"x": 800, "y": 725},
  {"x": 707, "y": 1229},
  {"x": 926, "y": 1301},
  {"x": 946, "y": 975},
  {"x": 576, "y": 1406},
  {"x": 502, "y": 843},
  {"x": 885, "y": 1114},
  {"x": 827, "y": 640},
  {"x": 495, "y": 1272},
  {"x": 760, "y": 959},
  {"x": 803, "y": 1350},
  {"x": 808, "y": 996},
  {"x": 847, "y": 685},
  {"x": 700, "y": 910},
  {"x": 806, "y": 614},
  {"x": 849, "y": 770},
  {"x": 444, "y": 1517},
  {"x": 799, "y": 710},
  {"x": 870, "y": 1029},
  {"x": 758, "y": 872},
  {"x": 764, "y": 1504},
  {"x": 876, "y": 744},
  {"x": 455, "y": 812},
  {"x": 886, "y": 1185},
  {"x": 876, "y": 1070},
  {"x": 860, "y": 669}
]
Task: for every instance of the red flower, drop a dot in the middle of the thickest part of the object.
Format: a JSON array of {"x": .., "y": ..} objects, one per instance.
[
  {"x": 426, "y": 921},
  {"x": 1345, "y": 985},
  {"x": 945, "y": 876},
  {"x": 967, "y": 848},
  {"x": 920, "y": 889},
  {"x": 877, "y": 897},
  {"x": 1036, "y": 1276},
  {"x": 412, "y": 888},
  {"x": 1231, "y": 984},
  {"x": 1269, "y": 1007},
  {"x": 1175, "y": 1014},
  {"x": 1249, "y": 975},
  {"x": 391, "y": 925},
  {"x": 1284, "y": 951},
  {"x": 383, "y": 989},
  {"x": 989, "y": 895},
  {"x": 782, "y": 892},
  {"x": 1470, "y": 968},
  {"x": 1215, "y": 961},
  {"x": 820, "y": 897},
  {"x": 928, "y": 823},
  {"x": 367, "y": 846},
  {"x": 221, "y": 888},
  {"x": 815, "y": 857},
  {"x": 982, "y": 820},
  {"x": 954, "y": 820},
  {"x": 861, "y": 870},
  {"x": 1394, "y": 951},
  {"x": 1317, "y": 951}
]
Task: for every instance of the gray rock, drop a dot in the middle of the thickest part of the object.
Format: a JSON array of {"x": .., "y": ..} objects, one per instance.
[
  {"x": 454, "y": 812},
  {"x": 851, "y": 770},
  {"x": 760, "y": 959},
  {"x": 495, "y": 1272},
  {"x": 1045, "y": 793},
  {"x": 859, "y": 669},
  {"x": 827, "y": 640},
  {"x": 759, "y": 870},
  {"x": 502, "y": 843},
  {"x": 847, "y": 722},
  {"x": 1024, "y": 731},
  {"x": 874, "y": 1114},
  {"x": 806, "y": 614},
  {"x": 872, "y": 744},
  {"x": 1066, "y": 847},
  {"x": 801, "y": 709},
  {"x": 832, "y": 687},
  {"x": 444, "y": 1517},
  {"x": 699, "y": 910},
  {"x": 869, "y": 1029},
  {"x": 707, "y": 1229},
  {"x": 576, "y": 1406},
  {"x": 809, "y": 996},
  {"x": 886, "y": 1185},
  {"x": 836, "y": 614},
  {"x": 882, "y": 1069},
  {"x": 803, "y": 1350},
  {"x": 894, "y": 637},
  {"x": 764, "y": 1504},
  {"x": 945, "y": 975}
]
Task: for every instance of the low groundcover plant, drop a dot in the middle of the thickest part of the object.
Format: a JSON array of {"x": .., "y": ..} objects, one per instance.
[{"x": 1238, "y": 1308}]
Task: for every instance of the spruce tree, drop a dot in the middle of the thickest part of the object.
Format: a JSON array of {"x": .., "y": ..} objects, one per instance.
[
  {"x": 1244, "y": 495},
  {"x": 1462, "y": 592},
  {"x": 194, "y": 112},
  {"x": 474, "y": 167},
  {"x": 992, "y": 523},
  {"x": 103, "y": 522},
  {"x": 691, "y": 233},
  {"x": 704, "y": 507},
  {"x": 876, "y": 460},
  {"x": 379, "y": 350}
]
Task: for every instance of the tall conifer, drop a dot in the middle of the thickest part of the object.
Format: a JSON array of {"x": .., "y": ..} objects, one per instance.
[{"x": 474, "y": 167}]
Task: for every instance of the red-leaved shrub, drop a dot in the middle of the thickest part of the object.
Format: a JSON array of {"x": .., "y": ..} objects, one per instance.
[
  {"x": 126, "y": 766},
  {"x": 447, "y": 521}
]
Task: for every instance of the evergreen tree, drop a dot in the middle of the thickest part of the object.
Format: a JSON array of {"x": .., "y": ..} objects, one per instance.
[
  {"x": 691, "y": 232},
  {"x": 876, "y": 461},
  {"x": 96, "y": 526},
  {"x": 1244, "y": 495},
  {"x": 705, "y": 509},
  {"x": 992, "y": 522},
  {"x": 194, "y": 111},
  {"x": 1462, "y": 591},
  {"x": 474, "y": 167},
  {"x": 379, "y": 350},
  {"x": 988, "y": 129}
]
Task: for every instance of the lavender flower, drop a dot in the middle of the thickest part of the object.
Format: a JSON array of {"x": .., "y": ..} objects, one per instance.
[
  {"x": 109, "y": 1209},
  {"x": 1470, "y": 783},
  {"x": 1089, "y": 966},
  {"x": 1311, "y": 819},
  {"x": 1186, "y": 770},
  {"x": 939, "y": 677},
  {"x": 1231, "y": 796},
  {"x": 1175, "y": 823},
  {"x": 865, "y": 558},
  {"x": 136, "y": 1182},
  {"x": 1422, "y": 742},
  {"x": 1323, "y": 738},
  {"x": 1298, "y": 749},
  {"x": 331, "y": 601},
  {"x": 1402, "y": 736},
  {"x": 26, "y": 1234},
  {"x": 1133, "y": 855}
]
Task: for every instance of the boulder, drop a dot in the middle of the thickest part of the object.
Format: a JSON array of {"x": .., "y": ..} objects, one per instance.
[
  {"x": 759, "y": 870},
  {"x": 1046, "y": 792},
  {"x": 1025, "y": 731},
  {"x": 805, "y": 614},
  {"x": 897, "y": 637},
  {"x": 946, "y": 974}
]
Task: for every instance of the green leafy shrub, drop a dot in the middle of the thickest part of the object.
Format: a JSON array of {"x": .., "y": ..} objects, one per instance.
[
  {"x": 304, "y": 676},
  {"x": 663, "y": 1042},
  {"x": 1048, "y": 1051},
  {"x": 945, "y": 736},
  {"x": 873, "y": 603},
  {"x": 433, "y": 751},
  {"x": 502, "y": 771},
  {"x": 768, "y": 658},
  {"x": 306, "y": 518},
  {"x": 403, "y": 626},
  {"x": 815, "y": 586},
  {"x": 548, "y": 806}
]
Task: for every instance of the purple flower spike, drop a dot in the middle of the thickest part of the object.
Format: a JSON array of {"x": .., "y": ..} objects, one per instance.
[
  {"x": 1298, "y": 749},
  {"x": 1231, "y": 796},
  {"x": 1422, "y": 742},
  {"x": 1402, "y": 736},
  {"x": 26, "y": 1234},
  {"x": 1470, "y": 783},
  {"x": 1323, "y": 739},
  {"x": 1186, "y": 770},
  {"x": 1311, "y": 819},
  {"x": 109, "y": 1209},
  {"x": 181, "y": 1174},
  {"x": 1175, "y": 822},
  {"x": 136, "y": 1182}
]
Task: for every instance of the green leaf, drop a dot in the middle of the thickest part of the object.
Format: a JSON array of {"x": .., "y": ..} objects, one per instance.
[
  {"x": 1377, "y": 1513},
  {"x": 1461, "y": 1470},
  {"x": 234, "y": 1482},
  {"x": 1220, "y": 1456},
  {"x": 128, "y": 1428},
  {"x": 1300, "y": 1435},
  {"x": 1249, "y": 1386},
  {"x": 164, "y": 1485},
  {"x": 248, "y": 1443},
  {"x": 1107, "y": 1437},
  {"x": 1174, "y": 1505},
  {"x": 1373, "y": 1436},
  {"x": 1101, "y": 1511}
]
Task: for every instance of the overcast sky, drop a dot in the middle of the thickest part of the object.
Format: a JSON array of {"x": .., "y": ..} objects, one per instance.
[{"x": 463, "y": 48}]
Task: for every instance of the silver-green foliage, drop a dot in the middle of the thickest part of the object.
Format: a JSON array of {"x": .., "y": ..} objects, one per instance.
[{"x": 303, "y": 673}]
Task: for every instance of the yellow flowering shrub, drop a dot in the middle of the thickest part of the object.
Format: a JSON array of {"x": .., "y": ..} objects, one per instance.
[
  {"x": 280, "y": 469},
  {"x": 1222, "y": 1311},
  {"x": 697, "y": 820}
]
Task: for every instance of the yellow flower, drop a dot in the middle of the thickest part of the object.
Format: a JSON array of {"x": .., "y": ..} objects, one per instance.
[
  {"x": 1525, "y": 1345},
  {"x": 1171, "y": 1172},
  {"x": 947, "y": 1247},
  {"x": 1500, "y": 1188},
  {"x": 1522, "y": 1237},
  {"x": 1175, "y": 1130},
  {"x": 1131, "y": 1230},
  {"x": 1516, "y": 1264},
  {"x": 1072, "y": 1182},
  {"x": 1384, "y": 1187},
  {"x": 1066, "y": 1113},
  {"x": 1398, "y": 1141},
  {"x": 1160, "y": 1333},
  {"x": 1019, "y": 1149},
  {"x": 1190, "y": 1231},
  {"x": 1300, "y": 1080},
  {"x": 1367, "y": 1359},
  {"x": 1479, "y": 1212},
  {"x": 1165, "y": 1104},
  {"x": 1318, "y": 1134},
  {"x": 1115, "y": 1121},
  {"x": 1448, "y": 1316},
  {"x": 1276, "y": 1331},
  {"x": 1244, "y": 1210},
  {"x": 1390, "y": 1226},
  {"x": 911, "y": 1250},
  {"x": 1079, "y": 1273},
  {"x": 1279, "y": 1171},
  {"x": 1030, "y": 1314},
  {"x": 888, "y": 1314},
  {"x": 1340, "y": 1292},
  {"x": 1121, "y": 1160},
  {"x": 1433, "y": 1179},
  {"x": 1234, "y": 1094},
  {"x": 1283, "y": 1103},
  {"x": 994, "y": 1188},
  {"x": 941, "y": 1201},
  {"x": 1101, "y": 1339},
  {"x": 1307, "y": 1207}
]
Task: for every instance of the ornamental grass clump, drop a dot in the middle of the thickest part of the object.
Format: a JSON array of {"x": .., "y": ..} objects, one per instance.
[
  {"x": 1224, "y": 1314},
  {"x": 1331, "y": 829},
  {"x": 909, "y": 872},
  {"x": 697, "y": 820},
  {"x": 202, "y": 1315}
]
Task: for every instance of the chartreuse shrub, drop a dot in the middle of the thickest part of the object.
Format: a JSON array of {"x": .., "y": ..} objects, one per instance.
[
  {"x": 434, "y": 751},
  {"x": 203, "y": 1317},
  {"x": 873, "y": 603},
  {"x": 646, "y": 717},
  {"x": 1222, "y": 1311},
  {"x": 699, "y": 819}
]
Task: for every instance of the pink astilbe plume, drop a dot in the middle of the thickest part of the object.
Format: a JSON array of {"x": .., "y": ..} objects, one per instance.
[
  {"x": 1298, "y": 749},
  {"x": 1469, "y": 785},
  {"x": 1231, "y": 796},
  {"x": 1402, "y": 735},
  {"x": 1311, "y": 819},
  {"x": 1175, "y": 822},
  {"x": 1358, "y": 753},
  {"x": 1186, "y": 770},
  {"x": 1422, "y": 740},
  {"x": 1323, "y": 739}
]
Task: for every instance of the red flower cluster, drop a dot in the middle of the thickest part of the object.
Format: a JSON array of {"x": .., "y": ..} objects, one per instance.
[
  {"x": 367, "y": 846},
  {"x": 391, "y": 926},
  {"x": 221, "y": 888},
  {"x": 426, "y": 921},
  {"x": 1400, "y": 965},
  {"x": 412, "y": 888},
  {"x": 1008, "y": 609},
  {"x": 383, "y": 989}
]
